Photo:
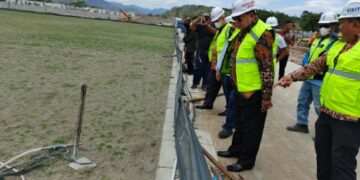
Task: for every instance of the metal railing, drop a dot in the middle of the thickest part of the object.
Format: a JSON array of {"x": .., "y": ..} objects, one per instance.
[{"x": 191, "y": 161}]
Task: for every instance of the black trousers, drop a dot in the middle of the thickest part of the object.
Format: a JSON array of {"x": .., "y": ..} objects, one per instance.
[
  {"x": 249, "y": 126},
  {"x": 189, "y": 61},
  {"x": 282, "y": 66},
  {"x": 212, "y": 88},
  {"x": 201, "y": 67},
  {"x": 337, "y": 144}
]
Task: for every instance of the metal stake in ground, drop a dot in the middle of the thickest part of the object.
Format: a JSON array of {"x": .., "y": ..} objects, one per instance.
[
  {"x": 79, "y": 124},
  {"x": 82, "y": 164}
]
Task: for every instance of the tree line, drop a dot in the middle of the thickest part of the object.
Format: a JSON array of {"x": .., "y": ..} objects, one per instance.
[{"x": 307, "y": 20}]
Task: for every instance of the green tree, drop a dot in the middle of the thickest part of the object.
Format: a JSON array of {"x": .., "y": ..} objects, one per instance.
[
  {"x": 47, "y": 1},
  {"x": 282, "y": 18},
  {"x": 309, "y": 20},
  {"x": 197, "y": 10}
]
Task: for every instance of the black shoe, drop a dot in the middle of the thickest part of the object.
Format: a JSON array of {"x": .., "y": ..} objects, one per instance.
[
  {"x": 226, "y": 154},
  {"x": 298, "y": 128},
  {"x": 222, "y": 113},
  {"x": 194, "y": 86},
  {"x": 203, "y": 106},
  {"x": 225, "y": 133},
  {"x": 237, "y": 167}
]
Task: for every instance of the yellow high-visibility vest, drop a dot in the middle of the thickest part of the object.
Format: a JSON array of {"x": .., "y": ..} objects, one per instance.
[
  {"x": 247, "y": 70},
  {"x": 340, "y": 90}
]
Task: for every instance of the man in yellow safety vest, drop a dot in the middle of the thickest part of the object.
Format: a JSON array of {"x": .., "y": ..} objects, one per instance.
[
  {"x": 337, "y": 136},
  {"x": 252, "y": 73},
  {"x": 310, "y": 89}
]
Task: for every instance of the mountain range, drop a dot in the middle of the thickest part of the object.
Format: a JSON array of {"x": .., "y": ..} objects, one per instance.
[
  {"x": 128, "y": 8},
  {"x": 114, "y": 6}
]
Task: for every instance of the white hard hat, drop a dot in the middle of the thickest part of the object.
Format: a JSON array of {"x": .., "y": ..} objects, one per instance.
[
  {"x": 241, "y": 7},
  {"x": 351, "y": 10},
  {"x": 216, "y": 13},
  {"x": 272, "y": 21},
  {"x": 328, "y": 18},
  {"x": 229, "y": 19}
]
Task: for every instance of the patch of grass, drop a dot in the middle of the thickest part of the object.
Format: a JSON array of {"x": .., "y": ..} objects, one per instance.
[
  {"x": 2, "y": 153},
  {"x": 152, "y": 143},
  {"x": 100, "y": 146},
  {"x": 119, "y": 141},
  {"x": 8, "y": 138},
  {"x": 146, "y": 129},
  {"x": 50, "y": 173},
  {"x": 134, "y": 76},
  {"x": 105, "y": 114},
  {"x": 50, "y": 95},
  {"x": 109, "y": 135},
  {"x": 59, "y": 141},
  {"x": 19, "y": 85},
  {"x": 44, "y": 125},
  {"x": 112, "y": 81},
  {"x": 52, "y": 68},
  {"x": 119, "y": 154},
  {"x": 68, "y": 85},
  {"x": 126, "y": 125}
]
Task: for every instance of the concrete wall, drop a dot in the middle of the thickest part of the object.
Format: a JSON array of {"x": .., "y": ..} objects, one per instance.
[{"x": 54, "y": 9}]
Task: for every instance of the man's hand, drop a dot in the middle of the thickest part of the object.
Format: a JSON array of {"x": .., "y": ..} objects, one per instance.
[
  {"x": 205, "y": 23},
  {"x": 284, "y": 81},
  {"x": 266, "y": 105},
  {"x": 218, "y": 75}
]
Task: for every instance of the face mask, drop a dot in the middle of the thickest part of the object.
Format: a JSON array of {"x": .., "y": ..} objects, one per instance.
[
  {"x": 218, "y": 25},
  {"x": 324, "y": 31}
]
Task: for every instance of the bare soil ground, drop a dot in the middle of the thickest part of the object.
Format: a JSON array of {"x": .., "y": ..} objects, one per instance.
[{"x": 44, "y": 60}]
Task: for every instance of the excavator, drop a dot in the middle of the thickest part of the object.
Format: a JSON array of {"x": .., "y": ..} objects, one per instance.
[{"x": 126, "y": 16}]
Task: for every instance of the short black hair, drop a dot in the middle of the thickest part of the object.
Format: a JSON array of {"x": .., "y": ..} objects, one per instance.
[{"x": 288, "y": 21}]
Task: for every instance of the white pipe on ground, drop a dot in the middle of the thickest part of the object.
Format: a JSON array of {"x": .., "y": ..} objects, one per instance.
[
  {"x": 13, "y": 169},
  {"x": 174, "y": 169}
]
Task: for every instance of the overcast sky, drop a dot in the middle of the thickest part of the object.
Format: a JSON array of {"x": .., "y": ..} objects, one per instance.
[{"x": 291, "y": 7}]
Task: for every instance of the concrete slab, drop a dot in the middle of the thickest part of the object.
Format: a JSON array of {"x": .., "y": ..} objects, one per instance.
[
  {"x": 163, "y": 173},
  {"x": 170, "y": 103},
  {"x": 168, "y": 131},
  {"x": 167, "y": 154},
  {"x": 169, "y": 114},
  {"x": 204, "y": 137}
]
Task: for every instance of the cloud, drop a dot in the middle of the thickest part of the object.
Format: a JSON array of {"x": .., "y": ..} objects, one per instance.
[
  {"x": 291, "y": 7},
  {"x": 314, "y": 6}
]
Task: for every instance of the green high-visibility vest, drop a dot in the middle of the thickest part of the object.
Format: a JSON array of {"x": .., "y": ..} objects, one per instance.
[
  {"x": 247, "y": 70},
  {"x": 317, "y": 48},
  {"x": 340, "y": 90},
  {"x": 223, "y": 50},
  {"x": 212, "y": 46}
]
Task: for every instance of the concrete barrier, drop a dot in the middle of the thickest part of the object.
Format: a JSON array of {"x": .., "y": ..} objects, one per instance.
[{"x": 59, "y": 11}]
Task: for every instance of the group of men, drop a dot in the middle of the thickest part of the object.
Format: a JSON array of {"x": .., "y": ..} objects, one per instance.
[{"x": 241, "y": 57}]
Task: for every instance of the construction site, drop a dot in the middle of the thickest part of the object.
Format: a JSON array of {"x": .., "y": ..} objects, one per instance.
[{"x": 89, "y": 93}]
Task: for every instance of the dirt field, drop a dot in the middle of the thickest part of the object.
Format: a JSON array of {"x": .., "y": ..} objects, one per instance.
[{"x": 44, "y": 60}]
